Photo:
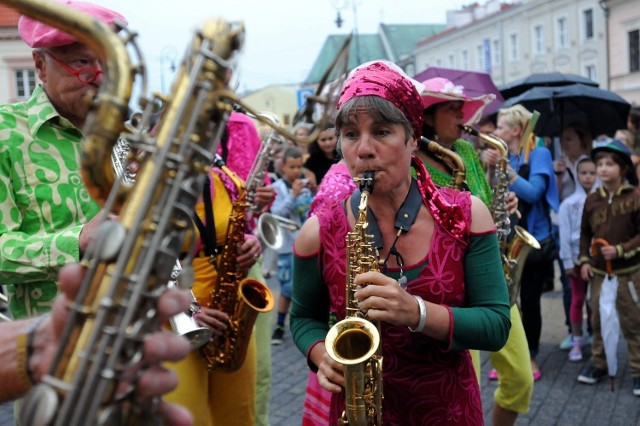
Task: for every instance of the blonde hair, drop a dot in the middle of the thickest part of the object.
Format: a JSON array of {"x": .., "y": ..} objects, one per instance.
[{"x": 516, "y": 116}]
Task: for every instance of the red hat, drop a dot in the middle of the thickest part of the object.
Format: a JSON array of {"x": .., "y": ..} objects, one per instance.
[
  {"x": 36, "y": 34},
  {"x": 438, "y": 89}
]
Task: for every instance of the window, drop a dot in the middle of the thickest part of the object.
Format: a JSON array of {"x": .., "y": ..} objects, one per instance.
[
  {"x": 465, "y": 60},
  {"x": 497, "y": 53},
  {"x": 634, "y": 50},
  {"x": 452, "y": 61},
  {"x": 25, "y": 82},
  {"x": 439, "y": 62},
  {"x": 480, "y": 57},
  {"x": 587, "y": 15},
  {"x": 590, "y": 71},
  {"x": 538, "y": 40},
  {"x": 513, "y": 47},
  {"x": 562, "y": 33}
]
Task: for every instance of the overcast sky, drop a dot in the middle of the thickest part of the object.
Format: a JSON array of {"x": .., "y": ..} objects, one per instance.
[{"x": 283, "y": 37}]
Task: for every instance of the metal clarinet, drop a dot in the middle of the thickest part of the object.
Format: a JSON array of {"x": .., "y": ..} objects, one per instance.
[
  {"x": 95, "y": 370},
  {"x": 355, "y": 341}
]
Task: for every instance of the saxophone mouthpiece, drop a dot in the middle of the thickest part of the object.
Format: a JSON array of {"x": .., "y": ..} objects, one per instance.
[
  {"x": 469, "y": 129},
  {"x": 366, "y": 181}
]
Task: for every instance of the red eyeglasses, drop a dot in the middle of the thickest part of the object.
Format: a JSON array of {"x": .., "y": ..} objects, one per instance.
[{"x": 84, "y": 75}]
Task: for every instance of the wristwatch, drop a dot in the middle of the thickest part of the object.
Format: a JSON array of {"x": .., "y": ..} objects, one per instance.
[{"x": 510, "y": 174}]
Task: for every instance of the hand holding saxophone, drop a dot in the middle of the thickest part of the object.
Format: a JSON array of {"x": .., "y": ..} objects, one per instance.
[
  {"x": 383, "y": 299},
  {"x": 248, "y": 252},
  {"x": 214, "y": 319},
  {"x": 159, "y": 347}
]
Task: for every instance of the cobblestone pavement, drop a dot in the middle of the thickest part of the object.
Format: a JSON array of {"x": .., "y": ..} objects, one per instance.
[{"x": 558, "y": 399}]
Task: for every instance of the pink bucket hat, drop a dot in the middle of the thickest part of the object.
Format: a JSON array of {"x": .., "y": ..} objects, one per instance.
[
  {"x": 438, "y": 89},
  {"x": 37, "y": 34}
]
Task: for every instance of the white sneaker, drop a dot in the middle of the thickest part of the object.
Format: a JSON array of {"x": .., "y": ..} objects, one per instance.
[{"x": 575, "y": 354}]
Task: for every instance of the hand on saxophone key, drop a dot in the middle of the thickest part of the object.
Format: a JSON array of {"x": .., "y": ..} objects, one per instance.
[
  {"x": 214, "y": 319},
  {"x": 249, "y": 252},
  {"x": 159, "y": 347},
  {"x": 512, "y": 204}
]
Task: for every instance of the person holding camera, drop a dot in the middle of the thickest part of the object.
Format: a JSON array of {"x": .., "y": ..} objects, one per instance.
[{"x": 293, "y": 198}]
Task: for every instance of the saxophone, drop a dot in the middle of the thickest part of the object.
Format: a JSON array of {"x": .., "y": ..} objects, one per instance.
[
  {"x": 514, "y": 254},
  {"x": 94, "y": 372},
  {"x": 241, "y": 298},
  {"x": 459, "y": 171},
  {"x": 355, "y": 341}
]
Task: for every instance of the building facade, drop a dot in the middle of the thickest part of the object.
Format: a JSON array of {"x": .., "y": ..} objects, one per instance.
[
  {"x": 512, "y": 40},
  {"x": 623, "y": 26},
  {"x": 17, "y": 73}
]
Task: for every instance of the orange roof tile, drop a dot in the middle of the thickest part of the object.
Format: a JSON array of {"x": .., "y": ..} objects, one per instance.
[{"x": 8, "y": 16}]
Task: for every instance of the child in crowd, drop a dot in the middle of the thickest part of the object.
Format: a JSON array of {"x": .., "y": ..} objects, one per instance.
[
  {"x": 569, "y": 217},
  {"x": 613, "y": 214},
  {"x": 293, "y": 198}
]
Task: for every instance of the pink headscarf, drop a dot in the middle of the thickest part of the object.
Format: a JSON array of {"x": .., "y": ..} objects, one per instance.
[
  {"x": 379, "y": 79},
  {"x": 36, "y": 34}
]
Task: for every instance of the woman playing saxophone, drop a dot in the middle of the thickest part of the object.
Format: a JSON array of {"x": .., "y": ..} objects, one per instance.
[
  {"x": 220, "y": 397},
  {"x": 431, "y": 302},
  {"x": 446, "y": 112}
]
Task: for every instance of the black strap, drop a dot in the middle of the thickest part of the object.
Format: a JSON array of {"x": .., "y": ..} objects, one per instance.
[
  {"x": 405, "y": 217},
  {"x": 207, "y": 229}
]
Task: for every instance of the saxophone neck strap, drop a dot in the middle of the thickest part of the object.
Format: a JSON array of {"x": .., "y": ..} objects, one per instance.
[
  {"x": 207, "y": 228},
  {"x": 405, "y": 217}
]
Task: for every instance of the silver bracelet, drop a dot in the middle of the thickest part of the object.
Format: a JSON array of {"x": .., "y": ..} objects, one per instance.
[{"x": 423, "y": 316}]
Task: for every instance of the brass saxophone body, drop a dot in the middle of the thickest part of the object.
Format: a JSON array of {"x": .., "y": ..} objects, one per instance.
[
  {"x": 355, "y": 341},
  {"x": 514, "y": 253},
  {"x": 241, "y": 298},
  {"x": 94, "y": 373}
]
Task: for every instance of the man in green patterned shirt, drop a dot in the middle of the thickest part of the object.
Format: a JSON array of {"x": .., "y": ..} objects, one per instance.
[{"x": 46, "y": 215}]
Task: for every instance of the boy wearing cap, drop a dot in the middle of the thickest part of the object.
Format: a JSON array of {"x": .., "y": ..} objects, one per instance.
[
  {"x": 46, "y": 212},
  {"x": 612, "y": 213}
]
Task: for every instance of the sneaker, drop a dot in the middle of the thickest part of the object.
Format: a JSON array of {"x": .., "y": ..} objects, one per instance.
[
  {"x": 590, "y": 374},
  {"x": 567, "y": 343},
  {"x": 575, "y": 354},
  {"x": 636, "y": 386},
  {"x": 278, "y": 336}
]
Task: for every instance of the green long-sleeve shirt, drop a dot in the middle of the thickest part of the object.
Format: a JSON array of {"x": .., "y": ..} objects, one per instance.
[
  {"x": 472, "y": 326},
  {"x": 43, "y": 201}
]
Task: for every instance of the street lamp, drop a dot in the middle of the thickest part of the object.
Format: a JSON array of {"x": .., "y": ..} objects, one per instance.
[
  {"x": 340, "y": 5},
  {"x": 168, "y": 56}
]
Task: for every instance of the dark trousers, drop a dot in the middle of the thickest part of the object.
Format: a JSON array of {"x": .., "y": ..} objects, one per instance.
[{"x": 536, "y": 270}]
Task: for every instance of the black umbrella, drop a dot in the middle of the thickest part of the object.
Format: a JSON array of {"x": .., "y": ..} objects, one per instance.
[
  {"x": 602, "y": 111},
  {"x": 546, "y": 79}
]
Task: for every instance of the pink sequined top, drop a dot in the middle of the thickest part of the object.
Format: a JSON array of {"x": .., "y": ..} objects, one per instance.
[
  {"x": 422, "y": 378},
  {"x": 336, "y": 185}
]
